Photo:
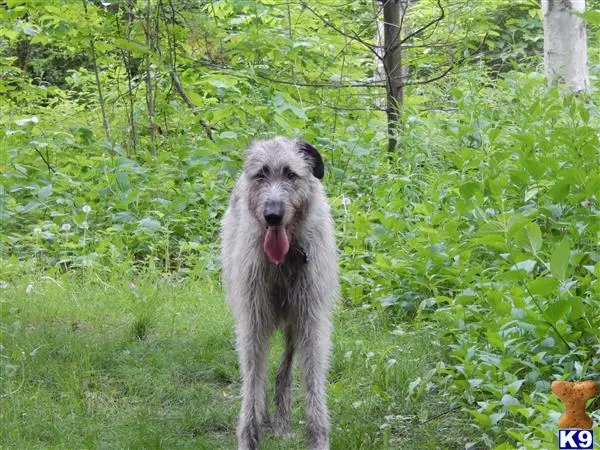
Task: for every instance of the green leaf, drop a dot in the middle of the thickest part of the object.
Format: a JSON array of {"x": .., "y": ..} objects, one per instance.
[
  {"x": 535, "y": 168},
  {"x": 577, "y": 308},
  {"x": 584, "y": 112},
  {"x": 196, "y": 98},
  {"x": 388, "y": 300},
  {"x": 299, "y": 112},
  {"x": 516, "y": 223},
  {"x": 44, "y": 193},
  {"x": 559, "y": 191},
  {"x": 150, "y": 224},
  {"x": 495, "y": 241},
  {"x": 534, "y": 237},
  {"x": 54, "y": 10},
  {"x": 467, "y": 190},
  {"x": 496, "y": 417},
  {"x": 483, "y": 420},
  {"x": 557, "y": 310},
  {"x": 543, "y": 286},
  {"x": 559, "y": 260},
  {"x": 123, "y": 184},
  {"x": 222, "y": 82},
  {"x": 498, "y": 304},
  {"x": 514, "y": 387},
  {"x": 123, "y": 217},
  {"x": 30, "y": 206},
  {"x": 519, "y": 177},
  {"x": 281, "y": 122},
  {"x": 528, "y": 265},
  {"x": 228, "y": 135},
  {"x": 591, "y": 16},
  {"x": 136, "y": 49},
  {"x": 474, "y": 382},
  {"x": 508, "y": 400},
  {"x": 495, "y": 339}
]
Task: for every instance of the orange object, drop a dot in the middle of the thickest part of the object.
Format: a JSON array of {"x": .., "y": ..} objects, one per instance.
[{"x": 574, "y": 395}]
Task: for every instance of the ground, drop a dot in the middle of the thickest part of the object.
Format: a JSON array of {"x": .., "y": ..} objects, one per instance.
[{"x": 150, "y": 362}]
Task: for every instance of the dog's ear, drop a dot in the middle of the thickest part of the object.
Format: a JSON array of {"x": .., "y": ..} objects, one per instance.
[{"x": 313, "y": 155}]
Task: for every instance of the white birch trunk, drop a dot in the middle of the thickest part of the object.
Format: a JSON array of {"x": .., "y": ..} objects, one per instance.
[{"x": 565, "y": 43}]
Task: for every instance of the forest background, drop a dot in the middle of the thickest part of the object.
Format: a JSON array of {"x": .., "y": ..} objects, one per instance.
[{"x": 468, "y": 231}]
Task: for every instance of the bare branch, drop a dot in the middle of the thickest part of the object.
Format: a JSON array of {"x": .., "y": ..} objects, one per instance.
[
  {"x": 50, "y": 168},
  {"x": 404, "y": 11},
  {"x": 377, "y": 83},
  {"x": 188, "y": 101},
  {"x": 450, "y": 67},
  {"x": 431, "y": 80},
  {"x": 176, "y": 82},
  {"x": 354, "y": 36},
  {"x": 419, "y": 30},
  {"x": 341, "y": 108}
]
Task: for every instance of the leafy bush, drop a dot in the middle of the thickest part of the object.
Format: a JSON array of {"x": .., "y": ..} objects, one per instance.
[{"x": 489, "y": 225}]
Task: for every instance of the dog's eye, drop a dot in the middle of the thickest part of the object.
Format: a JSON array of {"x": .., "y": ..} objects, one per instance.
[
  {"x": 292, "y": 175},
  {"x": 263, "y": 174}
]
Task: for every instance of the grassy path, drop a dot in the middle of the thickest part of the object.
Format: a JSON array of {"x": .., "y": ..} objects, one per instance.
[{"x": 86, "y": 363}]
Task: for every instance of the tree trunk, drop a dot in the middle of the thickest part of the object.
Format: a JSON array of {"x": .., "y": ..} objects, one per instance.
[
  {"x": 97, "y": 77},
  {"x": 565, "y": 43},
  {"x": 99, "y": 87},
  {"x": 149, "y": 94},
  {"x": 131, "y": 66},
  {"x": 392, "y": 64}
]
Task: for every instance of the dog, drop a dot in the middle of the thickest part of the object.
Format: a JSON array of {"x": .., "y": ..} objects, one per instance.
[{"x": 279, "y": 262}]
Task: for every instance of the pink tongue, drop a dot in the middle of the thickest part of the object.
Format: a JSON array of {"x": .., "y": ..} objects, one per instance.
[{"x": 276, "y": 244}]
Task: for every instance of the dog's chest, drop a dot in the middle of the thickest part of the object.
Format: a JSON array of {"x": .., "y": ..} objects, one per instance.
[{"x": 286, "y": 283}]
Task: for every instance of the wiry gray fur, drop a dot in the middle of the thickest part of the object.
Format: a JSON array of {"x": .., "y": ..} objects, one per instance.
[{"x": 296, "y": 295}]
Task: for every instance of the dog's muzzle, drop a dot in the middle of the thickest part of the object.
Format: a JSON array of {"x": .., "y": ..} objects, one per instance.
[
  {"x": 276, "y": 242},
  {"x": 274, "y": 212}
]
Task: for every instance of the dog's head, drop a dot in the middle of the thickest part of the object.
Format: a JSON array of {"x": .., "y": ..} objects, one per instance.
[{"x": 281, "y": 175}]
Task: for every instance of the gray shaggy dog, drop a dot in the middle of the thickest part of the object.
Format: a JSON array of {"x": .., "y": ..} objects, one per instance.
[{"x": 280, "y": 271}]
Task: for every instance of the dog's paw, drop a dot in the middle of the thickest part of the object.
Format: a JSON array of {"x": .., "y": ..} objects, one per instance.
[{"x": 248, "y": 436}]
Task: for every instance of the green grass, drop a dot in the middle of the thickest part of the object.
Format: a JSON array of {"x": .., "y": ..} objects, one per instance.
[{"x": 151, "y": 363}]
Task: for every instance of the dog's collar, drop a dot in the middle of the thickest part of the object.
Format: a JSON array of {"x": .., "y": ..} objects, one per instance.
[{"x": 302, "y": 253}]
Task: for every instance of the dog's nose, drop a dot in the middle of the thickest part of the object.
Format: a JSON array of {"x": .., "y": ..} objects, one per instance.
[{"x": 274, "y": 212}]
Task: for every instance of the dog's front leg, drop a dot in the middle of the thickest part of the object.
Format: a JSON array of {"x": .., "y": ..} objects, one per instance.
[
  {"x": 253, "y": 348},
  {"x": 314, "y": 356},
  {"x": 283, "y": 387}
]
